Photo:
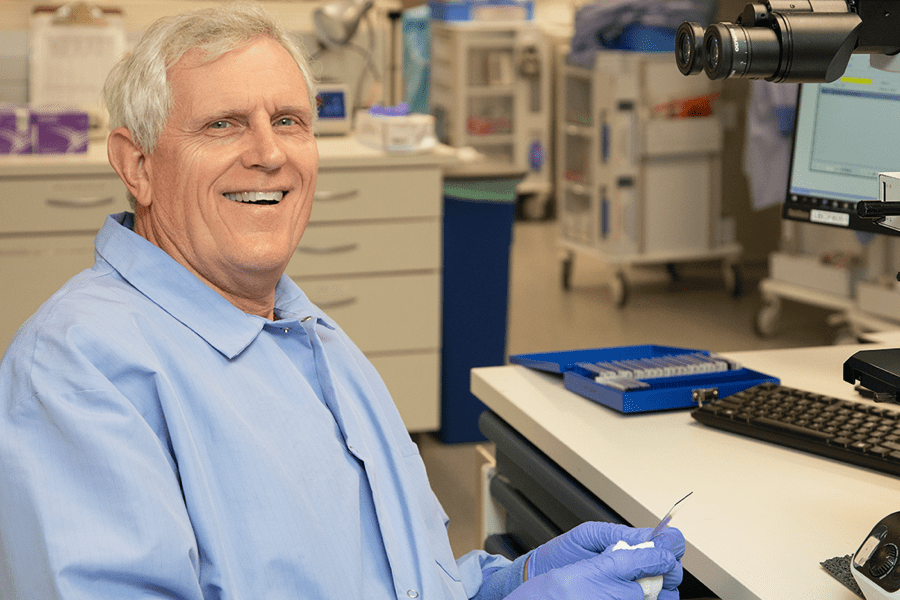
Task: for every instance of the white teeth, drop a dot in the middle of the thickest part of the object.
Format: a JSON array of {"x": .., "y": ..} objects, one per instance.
[{"x": 255, "y": 196}]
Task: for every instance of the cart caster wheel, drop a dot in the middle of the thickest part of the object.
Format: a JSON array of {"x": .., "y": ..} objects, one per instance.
[
  {"x": 766, "y": 323},
  {"x": 534, "y": 207},
  {"x": 567, "y": 273},
  {"x": 734, "y": 282},
  {"x": 846, "y": 335},
  {"x": 619, "y": 288},
  {"x": 674, "y": 275}
]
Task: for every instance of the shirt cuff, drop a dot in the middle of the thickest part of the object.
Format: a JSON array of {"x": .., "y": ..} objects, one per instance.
[{"x": 499, "y": 583}]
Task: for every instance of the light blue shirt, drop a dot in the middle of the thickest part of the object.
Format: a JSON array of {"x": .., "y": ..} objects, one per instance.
[{"x": 157, "y": 442}]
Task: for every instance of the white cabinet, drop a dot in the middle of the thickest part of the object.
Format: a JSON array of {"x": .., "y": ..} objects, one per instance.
[
  {"x": 370, "y": 257},
  {"x": 50, "y": 211},
  {"x": 491, "y": 89},
  {"x": 634, "y": 185}
]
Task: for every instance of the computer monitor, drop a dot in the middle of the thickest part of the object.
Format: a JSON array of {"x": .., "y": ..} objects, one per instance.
[{"x": 846, "y": 132}]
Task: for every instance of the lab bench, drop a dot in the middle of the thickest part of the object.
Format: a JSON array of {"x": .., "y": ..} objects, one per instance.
[{"x": 761, "y": 518}]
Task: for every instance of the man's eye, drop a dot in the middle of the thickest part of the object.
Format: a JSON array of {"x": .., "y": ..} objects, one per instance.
[
  {"x": 285, "y": 121},
  {"x": 219, "y": 124}
]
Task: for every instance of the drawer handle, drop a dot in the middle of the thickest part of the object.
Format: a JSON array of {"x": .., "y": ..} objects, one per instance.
[
  {"x": 336, "y": 303},
  {"x": 331, "y": 250},
  {"x": 332, "y": 196},
  {"x": 79, "y": 202}
]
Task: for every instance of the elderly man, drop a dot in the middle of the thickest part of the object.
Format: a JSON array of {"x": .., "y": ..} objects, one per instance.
[{"x": 181, "y": 422}]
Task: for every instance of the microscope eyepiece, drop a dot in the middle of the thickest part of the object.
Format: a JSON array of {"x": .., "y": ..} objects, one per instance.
[
  {"x": 689, "y": 48},
  {"x": 791, "y": 44}
]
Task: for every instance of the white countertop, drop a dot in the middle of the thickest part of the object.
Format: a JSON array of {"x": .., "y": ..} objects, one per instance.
[
  {"x": 334, "y": 152},
  {"x": 761, "y": 518}
]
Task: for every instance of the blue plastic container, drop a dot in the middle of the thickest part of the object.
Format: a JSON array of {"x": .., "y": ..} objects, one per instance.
[
  {"x": 468, "y": 10},
  {"x": 643, "y": 38},
  {"x": 417, "y": 58}
]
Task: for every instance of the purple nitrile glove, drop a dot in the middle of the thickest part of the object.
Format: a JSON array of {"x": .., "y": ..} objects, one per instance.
[
  {"x": 590, "y": 539},
  {"x": 612, "y": 575}
]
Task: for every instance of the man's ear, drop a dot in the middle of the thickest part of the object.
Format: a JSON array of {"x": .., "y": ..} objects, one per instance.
[{"x": 129, "y": 161}]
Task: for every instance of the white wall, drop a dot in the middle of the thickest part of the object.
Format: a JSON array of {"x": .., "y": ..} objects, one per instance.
[{"x": 296, "y": 16}]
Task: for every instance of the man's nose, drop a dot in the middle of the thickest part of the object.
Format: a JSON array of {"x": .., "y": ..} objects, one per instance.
[{"x": 264, "y": 149}]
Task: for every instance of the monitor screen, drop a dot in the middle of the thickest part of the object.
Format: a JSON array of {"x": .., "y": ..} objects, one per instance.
[
  {"x": 846, "y": 133},
  {"x": 332, "y": 104}
]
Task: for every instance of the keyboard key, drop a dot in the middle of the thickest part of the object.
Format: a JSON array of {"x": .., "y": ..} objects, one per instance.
[{"x": 790, "y": 427}]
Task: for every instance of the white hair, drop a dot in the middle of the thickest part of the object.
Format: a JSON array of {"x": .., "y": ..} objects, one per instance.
[{"x": 137, "y": 92}]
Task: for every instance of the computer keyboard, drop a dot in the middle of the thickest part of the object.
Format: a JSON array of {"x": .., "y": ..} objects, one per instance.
[{"x": 864, "y": 434}]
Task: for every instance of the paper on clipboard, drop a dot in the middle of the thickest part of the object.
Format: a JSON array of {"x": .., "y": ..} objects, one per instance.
[{"x": 73, "y": 47}]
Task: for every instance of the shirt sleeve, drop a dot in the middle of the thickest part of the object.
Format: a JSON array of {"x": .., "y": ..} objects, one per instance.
[
  {"x": 485, "y": 576},
  {"x": 90, "y": 502}
]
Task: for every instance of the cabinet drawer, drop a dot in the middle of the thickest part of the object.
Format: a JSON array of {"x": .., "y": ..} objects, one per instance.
[
  {"x": 32, "y": 269},
  {"x": 337, "y": 249},
  {"x": 414, "y": 383},
  {"x": 382, "y": 313},
  {"x": 344, "y": 195},
  {"x": 59, "y": 204}
]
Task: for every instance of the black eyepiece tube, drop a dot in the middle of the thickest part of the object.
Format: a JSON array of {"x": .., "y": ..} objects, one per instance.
[
  {"x": 776, "y": 45},
  {"x": 689, "y": 48}
]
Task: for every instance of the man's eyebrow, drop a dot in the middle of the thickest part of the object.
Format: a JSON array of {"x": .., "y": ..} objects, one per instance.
[
  {"x": 294, "y": 109},
  {"x": 218, "y": 115}
]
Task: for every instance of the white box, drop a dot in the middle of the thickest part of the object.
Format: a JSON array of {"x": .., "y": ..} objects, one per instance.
[
  {"x": 878, "y": 300},
  {"x": 809, "y": 271},
  {"x": 407, "y": 133}
]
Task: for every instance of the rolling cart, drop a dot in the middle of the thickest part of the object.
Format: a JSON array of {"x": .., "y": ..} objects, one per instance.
[
  {"x": 813, "y": 269},
  {"x": 638, "y": 168}
]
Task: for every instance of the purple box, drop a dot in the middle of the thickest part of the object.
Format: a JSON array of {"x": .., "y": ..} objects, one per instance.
[
  {"x": 15, "y": 129},
  {"x": 59, "y": 130}
]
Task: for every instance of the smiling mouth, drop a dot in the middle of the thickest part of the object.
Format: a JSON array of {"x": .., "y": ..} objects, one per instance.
[{"x": 263, "y": 198}]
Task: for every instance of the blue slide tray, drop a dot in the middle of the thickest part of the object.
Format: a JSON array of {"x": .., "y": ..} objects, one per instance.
[{"x": 663, "y": 393}]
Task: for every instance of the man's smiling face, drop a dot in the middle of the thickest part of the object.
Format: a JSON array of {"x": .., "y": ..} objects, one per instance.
[{"x": 233, "y": 173}]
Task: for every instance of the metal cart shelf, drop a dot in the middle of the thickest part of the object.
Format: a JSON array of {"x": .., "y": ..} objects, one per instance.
[{"x": 835, "y": 270}]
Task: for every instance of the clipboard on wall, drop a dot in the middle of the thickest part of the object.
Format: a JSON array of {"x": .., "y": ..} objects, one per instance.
[{"x": 73, "y": 48}]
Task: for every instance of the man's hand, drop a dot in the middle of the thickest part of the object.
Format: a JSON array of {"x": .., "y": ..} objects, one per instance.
[
  {"x": 611, "y": 575},
  {"x": 588, "y": 540}
]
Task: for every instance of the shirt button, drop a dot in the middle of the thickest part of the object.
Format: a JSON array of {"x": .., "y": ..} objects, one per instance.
[
  {"x": 286, "y": 329},
  {"x": 412, "y": 594}
]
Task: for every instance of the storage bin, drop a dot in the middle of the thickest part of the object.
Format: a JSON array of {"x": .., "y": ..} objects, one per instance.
[{"x": 479, "y": 10}]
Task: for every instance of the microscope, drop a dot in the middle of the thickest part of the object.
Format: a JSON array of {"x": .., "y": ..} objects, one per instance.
[{"x": 811, "y": 41}]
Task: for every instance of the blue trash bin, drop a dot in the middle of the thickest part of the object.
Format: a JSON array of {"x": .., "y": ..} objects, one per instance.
[{"x": 479, "y": 212}]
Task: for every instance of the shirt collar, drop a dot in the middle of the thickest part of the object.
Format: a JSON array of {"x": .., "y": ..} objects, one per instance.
[{"x": 181, "y": 294}]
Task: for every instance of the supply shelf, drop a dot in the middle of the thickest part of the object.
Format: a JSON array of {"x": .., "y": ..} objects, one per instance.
[{"x": 490, "y": 90}]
